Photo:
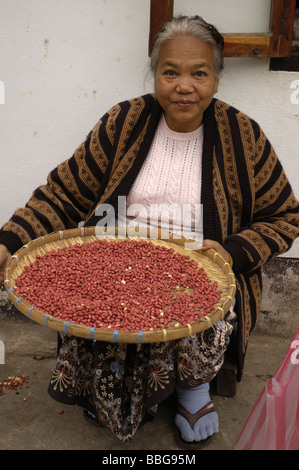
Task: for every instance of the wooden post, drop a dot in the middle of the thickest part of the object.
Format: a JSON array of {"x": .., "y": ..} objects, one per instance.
[
  {"x": 282, "y": 22},
  {"x": 161, "y": 11}
]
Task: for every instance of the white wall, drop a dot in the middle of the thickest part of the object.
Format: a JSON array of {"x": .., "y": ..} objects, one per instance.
[{"x": 65, "y": 62}]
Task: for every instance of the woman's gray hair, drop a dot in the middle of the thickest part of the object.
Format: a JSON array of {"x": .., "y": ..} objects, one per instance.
[{"x": 192, "y": 26}]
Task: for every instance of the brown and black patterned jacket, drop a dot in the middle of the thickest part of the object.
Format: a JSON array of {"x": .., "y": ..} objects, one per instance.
[{"x": 248, "y": 204}]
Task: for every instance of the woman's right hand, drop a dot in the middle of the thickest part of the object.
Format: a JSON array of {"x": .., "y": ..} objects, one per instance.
[{"x": 5, "y": 256}]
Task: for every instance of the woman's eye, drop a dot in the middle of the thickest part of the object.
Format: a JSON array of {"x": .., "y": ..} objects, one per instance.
[
  {"x": 200, "y": 74},
  {"x": 170, "y": 73}
]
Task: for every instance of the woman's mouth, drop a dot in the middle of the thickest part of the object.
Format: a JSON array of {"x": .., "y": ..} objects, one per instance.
[{"x": 184, "y": 104}]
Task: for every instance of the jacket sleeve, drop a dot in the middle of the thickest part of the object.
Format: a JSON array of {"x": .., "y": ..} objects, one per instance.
[
  {"x": 69, "y": 194},
  {"x": 274, "y": 222}
]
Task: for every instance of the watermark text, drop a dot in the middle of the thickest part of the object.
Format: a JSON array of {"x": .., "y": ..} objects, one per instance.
[
  {"x": 295, "y": 353},
  {"x": 2, "y": 353},
  {"x": 152, "y": 221},
  {"x": 295, "y": 93},
  {"x": 2, "y": 92}
]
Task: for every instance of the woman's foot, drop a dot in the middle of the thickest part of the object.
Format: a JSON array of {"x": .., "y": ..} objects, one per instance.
[{"x": 196, "y": 419}]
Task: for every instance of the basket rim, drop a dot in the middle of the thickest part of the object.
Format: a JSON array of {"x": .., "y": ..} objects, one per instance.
[{"x": 108, "y": 334}]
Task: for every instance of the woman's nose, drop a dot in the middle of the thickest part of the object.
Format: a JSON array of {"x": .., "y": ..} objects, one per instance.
[{"x": 185, "y": 85}]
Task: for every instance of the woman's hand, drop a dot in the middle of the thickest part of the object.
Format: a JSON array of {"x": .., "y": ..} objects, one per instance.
[
  {"x": 217, "y": 247},
  {"x": 5, "y": 256}
]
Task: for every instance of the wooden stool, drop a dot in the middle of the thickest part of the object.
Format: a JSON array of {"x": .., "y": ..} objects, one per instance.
[{"x": 225, "y": 382}]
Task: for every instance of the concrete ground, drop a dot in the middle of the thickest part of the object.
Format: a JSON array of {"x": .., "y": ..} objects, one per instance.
[{"x": 37, "y": 424}]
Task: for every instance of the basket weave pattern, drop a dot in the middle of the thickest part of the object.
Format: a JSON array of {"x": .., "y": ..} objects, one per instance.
[{"x": 215, "y": 267}]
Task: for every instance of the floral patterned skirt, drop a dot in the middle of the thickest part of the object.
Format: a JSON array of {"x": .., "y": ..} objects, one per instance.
[{"x": 122, "y": 383}]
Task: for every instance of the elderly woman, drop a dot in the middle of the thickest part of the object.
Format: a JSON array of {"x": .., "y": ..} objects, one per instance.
[{"x": 180, "y": 146}]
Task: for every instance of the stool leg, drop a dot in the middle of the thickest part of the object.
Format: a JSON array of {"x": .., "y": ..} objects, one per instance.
[{"x": 226, "y": 380}]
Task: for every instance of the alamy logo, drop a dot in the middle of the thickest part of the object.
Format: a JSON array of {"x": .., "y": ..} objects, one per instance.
[
  {"x": 179, "y": 220},
  {"x": 295, "y": 353},
  {"x": 295, "y": 93},
  {"x": 2, "y": 353},
  {"x": 2, "y": 92}
]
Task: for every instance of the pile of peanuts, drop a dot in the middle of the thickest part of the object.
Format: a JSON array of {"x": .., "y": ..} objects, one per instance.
[
  {"x": 130, "y": 285},
  {"x": 13, "y": 383}
]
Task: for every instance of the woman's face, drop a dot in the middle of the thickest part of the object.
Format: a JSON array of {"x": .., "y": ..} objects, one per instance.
[{"x": 185, "y": 82}]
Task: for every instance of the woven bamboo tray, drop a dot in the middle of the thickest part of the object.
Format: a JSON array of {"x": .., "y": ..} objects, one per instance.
[{"x": 214, "y": 265}]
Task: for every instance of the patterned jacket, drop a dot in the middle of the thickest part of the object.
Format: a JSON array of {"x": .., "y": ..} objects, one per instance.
[{"x": 248, "y": 203}]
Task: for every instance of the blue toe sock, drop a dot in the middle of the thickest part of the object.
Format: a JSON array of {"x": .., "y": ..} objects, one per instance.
[{"x": 192, "y": 400}]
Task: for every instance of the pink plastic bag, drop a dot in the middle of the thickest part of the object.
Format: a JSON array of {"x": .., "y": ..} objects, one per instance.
[{"x": 273, "y": 423}]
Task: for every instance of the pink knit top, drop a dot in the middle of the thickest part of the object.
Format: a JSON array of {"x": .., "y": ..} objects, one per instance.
[{"x": 166, "y": 192}]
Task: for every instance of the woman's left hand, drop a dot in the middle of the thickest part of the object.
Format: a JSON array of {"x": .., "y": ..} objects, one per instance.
[{"x": 217, "y": 247}]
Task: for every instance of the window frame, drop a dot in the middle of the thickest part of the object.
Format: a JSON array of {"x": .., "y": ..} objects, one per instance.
[{"x": 276, "y": 43}]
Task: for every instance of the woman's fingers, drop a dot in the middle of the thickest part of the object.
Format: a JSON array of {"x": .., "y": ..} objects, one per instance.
[
  {"x": 217, "y": 247},
  {"x": 5, "y": 256}
]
